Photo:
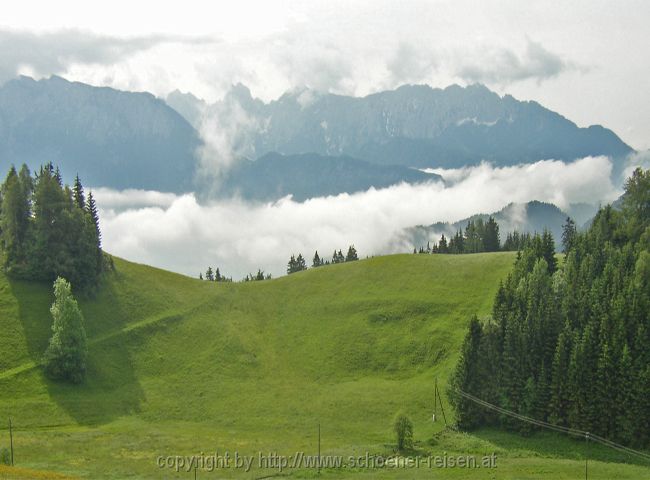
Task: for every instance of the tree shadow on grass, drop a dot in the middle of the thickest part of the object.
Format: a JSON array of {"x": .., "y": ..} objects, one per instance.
[
  {"x": 552, "y": 445},
  {"x": 111, "y": 388}
]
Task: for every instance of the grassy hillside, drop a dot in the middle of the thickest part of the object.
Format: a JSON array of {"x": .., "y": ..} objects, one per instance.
[{"x": 179, "y": 367}]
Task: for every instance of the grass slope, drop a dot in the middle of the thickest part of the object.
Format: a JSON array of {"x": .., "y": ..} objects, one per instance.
[{"x": 179, "y": 367}]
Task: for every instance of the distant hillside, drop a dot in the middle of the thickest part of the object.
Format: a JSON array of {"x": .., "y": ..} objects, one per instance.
[
  {"x": 418, "y": 126},
  {"x": 524, "y": 217},
  {"x": 111, "y": 138},
  {"x": 310, "y": 175}
]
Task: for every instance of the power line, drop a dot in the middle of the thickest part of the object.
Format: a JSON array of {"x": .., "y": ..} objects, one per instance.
[{"x": 558, "y": 428}]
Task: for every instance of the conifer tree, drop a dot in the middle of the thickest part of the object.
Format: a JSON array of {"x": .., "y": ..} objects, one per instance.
[
  {"x": 465, "y": 378},
  {"x": 442, "y": 245},
  {"x": 14, "y": 220},
  {"x": 352, "y": 254},
  {"x": 316, "y": 262},
  {"x": 568, "y": 235},
  {"x": 491, "y": 239},
  {"x": 78, "y": 193},
  {"x": 300, "y": 263},
  {"x": 625, "y": 418},
  {"x": 292, "y": 265},
  {"x": 548, "y": 251},
  {"x": 560, "y": 388}
]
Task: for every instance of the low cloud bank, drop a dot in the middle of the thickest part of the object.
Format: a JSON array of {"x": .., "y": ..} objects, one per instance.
[{"x": 180, "y": 234}]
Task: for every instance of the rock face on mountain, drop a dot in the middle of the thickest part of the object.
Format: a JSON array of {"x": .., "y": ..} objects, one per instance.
[
  {"x": 109, "y": 137},
  {"x": 420, "y": 126},
  {"x": 304, "y": 176}
]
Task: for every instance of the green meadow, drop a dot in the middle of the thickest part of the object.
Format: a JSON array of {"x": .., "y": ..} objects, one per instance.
[{"x": 181, "y": 367}]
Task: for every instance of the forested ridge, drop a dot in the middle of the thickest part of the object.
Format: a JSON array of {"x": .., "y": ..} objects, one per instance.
[{"x": 570, "y": 344}]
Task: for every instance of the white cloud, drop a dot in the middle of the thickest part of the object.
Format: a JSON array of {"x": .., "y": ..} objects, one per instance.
[
  {"x": 57, "y": 52},
  {"x": 131, "y": 198},
  {"x": 240, "y": 237},
  {"x": 636, "y": 160},
  {"x": 227, "y": 131},
  {"x": 353, "y": 48},
  {"x": 504, "y": 66}
]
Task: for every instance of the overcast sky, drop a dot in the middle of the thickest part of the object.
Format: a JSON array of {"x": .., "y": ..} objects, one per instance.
[{"x": 588, "y": 60}]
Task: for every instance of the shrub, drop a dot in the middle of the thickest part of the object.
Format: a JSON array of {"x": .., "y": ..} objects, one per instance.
[
  {"x": 5, "y": 456},
  {"x": 404, "y": 431}
]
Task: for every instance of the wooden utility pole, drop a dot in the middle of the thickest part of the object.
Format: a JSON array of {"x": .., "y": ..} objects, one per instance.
[
  {"x": 586, "y": 455},
  {"x": 435, "y": 400},
  {"x": 439, "y": 399},
  {"x": 11, "y": 442},
  {"x": 319, "y": 448}
]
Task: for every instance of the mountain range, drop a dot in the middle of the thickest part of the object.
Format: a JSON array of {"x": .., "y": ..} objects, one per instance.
[
  {"x": 414, "y": 126},
  {"x": 329, "y": 143},
  {"x": 109, "y": 137}
]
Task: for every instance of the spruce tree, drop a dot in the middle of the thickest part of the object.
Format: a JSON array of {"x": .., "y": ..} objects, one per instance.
[
  {"x": 316, "y": 262},
  {"x": 636, "y": 202},
  {"x": 352, "y": 254},
  {"x": 291, "y": 266},
  {"x": 491, "y": 239},
  {"x": 78, "y": 193},
  {"x": 548, "y": 251},
  {"x": 569, "y": 232},
  {"x": 625, "y": 418},
  {"x": 14, "y": 220},
  {"x": 465, "y": 378},
  {"x": 442, "y": 245},
  {"x": 560, "y": 388},
  {"x": 300, "y": 263},
  {"x": 93, "y": 215}
]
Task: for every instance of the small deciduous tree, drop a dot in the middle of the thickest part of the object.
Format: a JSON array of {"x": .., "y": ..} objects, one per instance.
[
  {"x": 5, "y": 456},
  {"x": 65, "y": 357},
  {"x": 403, "y": 428}
]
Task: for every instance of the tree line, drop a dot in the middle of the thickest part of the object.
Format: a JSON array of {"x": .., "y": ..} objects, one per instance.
[
  {"x": 570, "y": 345},
  {"x": 295, "y": 264},
  {"x": 216, "y": 276},
  {"x": 49, "y": 230},
  {"x": 484, "y": 236},
  {"x": 298, "y": 264}
]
